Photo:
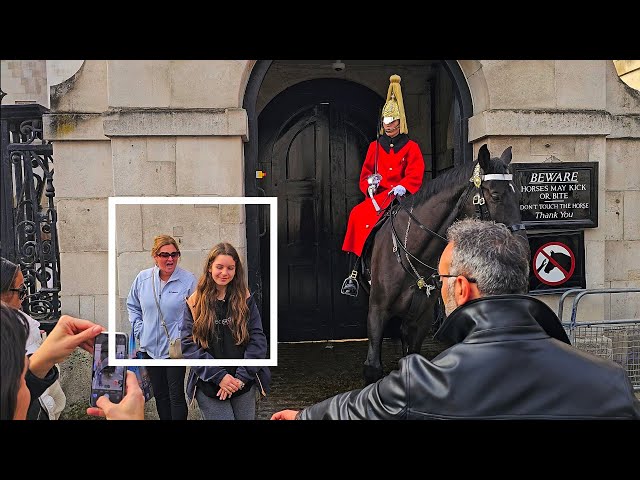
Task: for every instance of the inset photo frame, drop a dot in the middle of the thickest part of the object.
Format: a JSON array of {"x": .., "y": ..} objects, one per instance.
[{"x": 197, "y": 224}]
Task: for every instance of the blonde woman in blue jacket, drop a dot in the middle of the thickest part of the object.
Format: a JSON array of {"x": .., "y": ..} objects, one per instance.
[{"x": 169, "y": 285}]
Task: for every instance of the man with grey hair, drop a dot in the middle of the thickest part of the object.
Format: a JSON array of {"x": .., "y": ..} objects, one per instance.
[{"x": 510, "y": 357}]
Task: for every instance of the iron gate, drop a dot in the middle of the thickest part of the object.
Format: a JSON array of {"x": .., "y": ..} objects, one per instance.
[{"x": 29, "y": 235}]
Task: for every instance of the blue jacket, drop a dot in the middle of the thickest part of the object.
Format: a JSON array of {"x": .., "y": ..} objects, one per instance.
[
  {"x": 256, "y": 348},
  {"x": 143, "y": 312}
]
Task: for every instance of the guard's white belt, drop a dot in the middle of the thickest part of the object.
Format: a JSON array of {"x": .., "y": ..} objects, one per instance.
[{"x": 497, "y": 176}]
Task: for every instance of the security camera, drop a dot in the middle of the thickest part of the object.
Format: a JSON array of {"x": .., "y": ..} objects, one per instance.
[{"x": 338, "y": 66}]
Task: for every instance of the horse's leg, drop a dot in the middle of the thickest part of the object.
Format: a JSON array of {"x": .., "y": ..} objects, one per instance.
[
  {"x": 422, "y": 327},
  {"x": 409, "y": 330},
  {"x": 376, "y": 322}
]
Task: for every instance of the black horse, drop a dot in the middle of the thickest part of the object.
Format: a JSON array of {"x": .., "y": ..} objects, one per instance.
[{"x": 405, "y": 250}]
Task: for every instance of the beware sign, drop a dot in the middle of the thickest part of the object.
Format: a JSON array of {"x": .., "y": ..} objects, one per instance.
[{"x": 557, "y": 262}]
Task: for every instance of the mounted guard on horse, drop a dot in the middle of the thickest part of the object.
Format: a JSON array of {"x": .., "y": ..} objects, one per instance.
[{"x": 393, "y": 165}]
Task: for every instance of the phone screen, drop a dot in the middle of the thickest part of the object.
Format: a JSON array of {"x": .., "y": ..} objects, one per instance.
[{"x": 107, "y": 380}]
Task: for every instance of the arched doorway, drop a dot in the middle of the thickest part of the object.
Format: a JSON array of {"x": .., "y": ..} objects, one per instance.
[{"x": 310, "y": 139}]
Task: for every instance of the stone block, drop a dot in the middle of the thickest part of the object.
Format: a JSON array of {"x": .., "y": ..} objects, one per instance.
[
  {"x": 83, "y": 225},
  {"x": 86, "y": 91},
  {"x": 161, "y": 149},
  {"x": 581, "y": 84},
  {"x": 140, "y": 83},
  {"x": 234, "y": 234},
  {"x": 632, "y": 215},
  {"x": 83, "y": 169},
  {"x": 594, "y": 252},
  {"x": 128, "y": 265},
  {"x": 232, "y": 213},
  {"x": 138, "y": 175},
  {"x": 209, "y": 166},
  {"x": 101, "y": 310},
  {"x": 622, "y": 164},
  {"x": 73, "y": 126},
  {"x": 193, "y": 260},
  {"x": 70, "y": 305},
  {"x": 479, "y": 91},
  {"x": 520, "y": 148},
  {"x": 128, "y": 228},
  {"x": 613, "y": 220},
  {"x": 622, "y": 262},
  {"x": 199, "y": 83},
  {"x": 621, "y": 98},
  {"x": 88, "y": 307},
  {"x": 563, "y": 148},
  {"x": 199, "y": 225},
  {"x": 84, "y": 273},
  {"x": 520, "y": 84}
]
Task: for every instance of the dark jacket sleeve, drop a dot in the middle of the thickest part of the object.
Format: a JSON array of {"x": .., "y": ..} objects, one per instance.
[
  {"x": 37, "y": 386},
  {"x": 257, "y": 346},
  {"x": 387, "y": 399},
  {"x": 190, "y": 349}
]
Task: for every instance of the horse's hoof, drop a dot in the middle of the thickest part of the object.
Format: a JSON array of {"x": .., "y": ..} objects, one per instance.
[{"x": 371, "y": 374}]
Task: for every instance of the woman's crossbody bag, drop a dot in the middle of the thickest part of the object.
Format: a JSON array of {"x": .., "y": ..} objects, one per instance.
[{"x": 175, "y": 346}]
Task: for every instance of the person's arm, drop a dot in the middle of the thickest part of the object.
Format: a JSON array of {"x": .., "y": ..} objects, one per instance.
[
  {"x": 414, "y": 171},
  {"x": 37, "y": 385},
  {"x": 134, "y": 308},
  {"x": 192, "y": 350},
  {"x": 68, "y": 334},
  {"x": 257, "y": 346},
  {"x": 367, "y": 168},
  {"x": 131, "y": 407},
  {"x": 387, "y": 399}
]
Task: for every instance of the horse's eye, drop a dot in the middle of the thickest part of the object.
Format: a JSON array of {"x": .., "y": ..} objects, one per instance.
[{"x": 496, "y": 197}]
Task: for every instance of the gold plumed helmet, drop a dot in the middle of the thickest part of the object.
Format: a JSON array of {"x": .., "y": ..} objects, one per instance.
[{"x": 394, "y": 107}]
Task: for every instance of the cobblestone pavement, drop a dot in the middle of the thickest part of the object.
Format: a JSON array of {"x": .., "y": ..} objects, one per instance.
[{"x": 310, "y": 372}]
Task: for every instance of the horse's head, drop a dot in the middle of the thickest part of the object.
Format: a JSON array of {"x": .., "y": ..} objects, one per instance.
[{"x": 493, "y": 194}]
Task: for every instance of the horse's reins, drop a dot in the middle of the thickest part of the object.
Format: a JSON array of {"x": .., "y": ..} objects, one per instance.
[{"x": 481, "y": 212}]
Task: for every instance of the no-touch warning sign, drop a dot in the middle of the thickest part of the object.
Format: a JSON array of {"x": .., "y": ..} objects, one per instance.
[{"x": 554, "y": 263}]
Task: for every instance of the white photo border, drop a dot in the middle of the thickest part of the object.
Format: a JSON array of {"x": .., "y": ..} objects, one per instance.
[{"x": 272, "y": 360}]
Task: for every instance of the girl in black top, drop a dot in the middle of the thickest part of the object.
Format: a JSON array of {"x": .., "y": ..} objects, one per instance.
[{"x": 222, "y": 321}]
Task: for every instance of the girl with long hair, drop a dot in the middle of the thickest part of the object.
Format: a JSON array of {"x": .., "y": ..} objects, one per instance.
[{"x": 222, "y": 322}]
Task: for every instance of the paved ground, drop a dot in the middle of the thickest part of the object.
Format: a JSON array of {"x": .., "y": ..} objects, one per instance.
[{"x": 310, "y": 372}]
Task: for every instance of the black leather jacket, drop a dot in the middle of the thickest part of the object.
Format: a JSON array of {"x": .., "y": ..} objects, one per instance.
[{"x": 503, "y": 365}]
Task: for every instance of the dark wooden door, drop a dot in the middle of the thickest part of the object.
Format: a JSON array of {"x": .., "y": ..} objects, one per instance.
[{"x": 313, "y": 163}]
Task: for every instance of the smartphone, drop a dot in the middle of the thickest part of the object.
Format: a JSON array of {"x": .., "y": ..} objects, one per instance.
[{"x": 108, "y": 380}]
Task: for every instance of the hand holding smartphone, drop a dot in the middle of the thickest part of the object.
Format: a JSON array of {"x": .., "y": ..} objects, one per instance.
[{"x": 108, "y": 380}]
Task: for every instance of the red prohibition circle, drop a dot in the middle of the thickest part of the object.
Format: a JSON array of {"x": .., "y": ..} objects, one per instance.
[{"x": 568, "y": 274}]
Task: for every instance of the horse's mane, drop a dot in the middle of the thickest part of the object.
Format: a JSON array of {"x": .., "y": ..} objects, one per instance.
[
  {"x": 445, "y": 180},
  {"x": 454, "y": 176}
]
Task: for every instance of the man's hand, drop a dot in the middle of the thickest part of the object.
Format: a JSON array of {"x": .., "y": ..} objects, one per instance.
[
  {"x": 130, "y": 408},
  {"x": 68, "y": 334},
  {"x": 398, "y": 190},
  {"x": 285, "y": 415}
]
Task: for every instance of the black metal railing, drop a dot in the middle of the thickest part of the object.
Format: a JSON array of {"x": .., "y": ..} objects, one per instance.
[{"x": 29, "y": 234}]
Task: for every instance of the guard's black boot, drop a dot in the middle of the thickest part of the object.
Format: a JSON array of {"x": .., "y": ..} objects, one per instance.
[{"x": 350, "y": 285}]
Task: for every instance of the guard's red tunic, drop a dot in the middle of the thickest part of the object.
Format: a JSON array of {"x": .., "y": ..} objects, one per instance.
[{"x": 401, "y": 164}]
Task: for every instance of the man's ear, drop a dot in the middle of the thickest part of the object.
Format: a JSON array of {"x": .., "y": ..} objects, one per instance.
[{"x": 462, "y": 291}]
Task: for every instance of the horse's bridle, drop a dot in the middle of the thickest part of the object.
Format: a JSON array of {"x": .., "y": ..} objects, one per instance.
[{"x": 481, "y": 213}]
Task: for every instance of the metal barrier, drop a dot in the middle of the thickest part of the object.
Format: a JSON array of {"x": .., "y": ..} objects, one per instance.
[{"x": 617, "y": 340}]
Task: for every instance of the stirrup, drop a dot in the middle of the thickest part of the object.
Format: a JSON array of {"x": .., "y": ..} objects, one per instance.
[{"x": 350, "y": 285}]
